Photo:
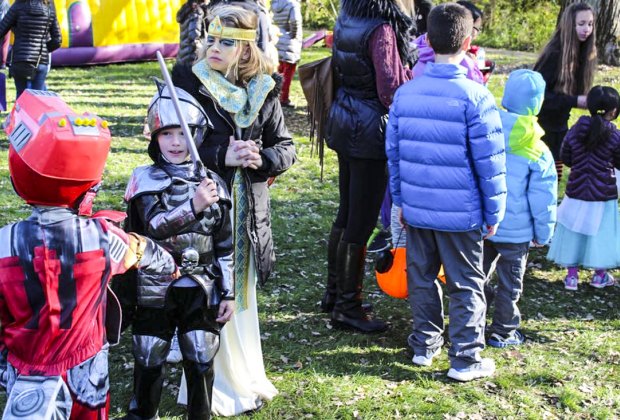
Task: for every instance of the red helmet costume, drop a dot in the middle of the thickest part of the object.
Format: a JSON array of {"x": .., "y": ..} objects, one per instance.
[{"x": 55, "y": 156}]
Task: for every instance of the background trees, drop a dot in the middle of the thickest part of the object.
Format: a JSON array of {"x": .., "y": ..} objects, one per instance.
[{"x": 511, "y": 24}]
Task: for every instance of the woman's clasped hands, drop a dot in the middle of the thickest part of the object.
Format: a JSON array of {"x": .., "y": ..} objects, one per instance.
[{"x": 243, "y": 153}]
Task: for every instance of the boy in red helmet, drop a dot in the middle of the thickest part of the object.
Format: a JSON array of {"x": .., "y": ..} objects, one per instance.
[{"x": 55, "y": 265}]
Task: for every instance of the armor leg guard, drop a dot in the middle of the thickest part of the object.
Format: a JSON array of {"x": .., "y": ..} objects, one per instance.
[
  {"x": 147, "y": 387},
  {"x": 199, "y": 378}
]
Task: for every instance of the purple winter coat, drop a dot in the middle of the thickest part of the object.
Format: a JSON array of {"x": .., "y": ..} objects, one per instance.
[
  {"x": 592, "y": 176},
  {"x": 427, "y": 55}
]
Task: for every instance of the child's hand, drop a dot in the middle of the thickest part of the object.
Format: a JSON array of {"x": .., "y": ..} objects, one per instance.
[
  {"x": 253, "y": 159},
  {"x": 205, "y": 195},
  {"x": 491, "y": 230},
  {"x": 239, "y": 151},
  {"x": 227, "y": 308}
]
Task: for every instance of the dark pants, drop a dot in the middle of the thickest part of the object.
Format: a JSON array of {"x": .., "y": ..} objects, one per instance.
[
  {"x": 553, "y": 140},
  {"x": 362, "y": 185},
  {"x": 186, "y": 309},
  {"x": 287, "y": 70},
  {"x": 508, "y": 261},
  {"x": 461, "y": 256}
]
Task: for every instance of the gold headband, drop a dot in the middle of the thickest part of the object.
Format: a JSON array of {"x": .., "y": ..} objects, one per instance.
[{"x": 217, "y": 29}]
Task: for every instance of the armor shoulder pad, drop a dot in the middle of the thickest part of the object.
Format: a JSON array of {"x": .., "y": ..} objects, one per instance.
[{"x": 146, "y": 179}]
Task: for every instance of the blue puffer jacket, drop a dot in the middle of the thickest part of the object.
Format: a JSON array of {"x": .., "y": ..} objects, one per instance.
[
  {"x": 446, "y": 152},
  {"x": 530, "y": 169}
]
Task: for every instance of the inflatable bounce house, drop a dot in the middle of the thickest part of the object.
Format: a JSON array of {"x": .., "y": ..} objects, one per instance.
[{"x": 113, "y": 31}]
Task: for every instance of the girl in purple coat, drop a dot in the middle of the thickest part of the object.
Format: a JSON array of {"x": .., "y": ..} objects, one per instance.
[{"x": 588, "y": 230}]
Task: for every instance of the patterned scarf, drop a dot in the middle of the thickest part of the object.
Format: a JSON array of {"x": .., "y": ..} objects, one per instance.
[{"x": 242, "y": 103}]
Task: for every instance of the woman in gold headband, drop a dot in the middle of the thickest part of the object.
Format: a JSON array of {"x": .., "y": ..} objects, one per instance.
[{"x": 249, "y": 144}]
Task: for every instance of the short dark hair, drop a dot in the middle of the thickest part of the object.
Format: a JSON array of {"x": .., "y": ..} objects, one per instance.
[
  {"x": 476, "y": 13},
  {"x": 448, "y": 26}
]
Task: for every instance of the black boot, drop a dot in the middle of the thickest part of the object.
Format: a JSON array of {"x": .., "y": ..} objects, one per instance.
[
  {"x": 348, "y": 312},
  {"x": 147, "y": 386},
  {"x": 199, "y": 378},
  {"x": 329, "y": 298}
]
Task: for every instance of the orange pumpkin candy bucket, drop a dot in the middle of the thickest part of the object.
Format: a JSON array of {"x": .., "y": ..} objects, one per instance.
[{"x": 391, "y": 272}]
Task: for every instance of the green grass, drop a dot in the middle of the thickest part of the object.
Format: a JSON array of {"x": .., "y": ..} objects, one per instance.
[{"x": 568, "y": 368}]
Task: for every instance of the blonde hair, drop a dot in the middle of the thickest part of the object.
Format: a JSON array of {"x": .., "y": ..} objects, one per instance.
[
  {"x": 574, "y": 54},
  {"x": 407, "y": 7},
  {"x": 245, "y": 66}
]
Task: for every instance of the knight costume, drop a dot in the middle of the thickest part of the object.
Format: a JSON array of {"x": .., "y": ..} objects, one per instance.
[{"x": 159, "y": 200}]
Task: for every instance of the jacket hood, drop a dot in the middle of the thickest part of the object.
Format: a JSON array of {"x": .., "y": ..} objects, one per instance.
[
  {"x": 425, "y": 52},
  {"x": 387, "y": 10},
  {"x": 523, "y": 135},
  {"x": 524, "y": 92}
]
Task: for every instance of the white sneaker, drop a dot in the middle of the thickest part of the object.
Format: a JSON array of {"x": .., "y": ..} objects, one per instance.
[
  {"x": 425, "y": 360},
  {"x": 486, "y": 367},
  {"x": 174, "y": 355}
]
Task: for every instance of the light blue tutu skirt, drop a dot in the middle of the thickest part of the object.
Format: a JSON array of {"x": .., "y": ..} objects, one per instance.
[{"x": 599, "y": 250}]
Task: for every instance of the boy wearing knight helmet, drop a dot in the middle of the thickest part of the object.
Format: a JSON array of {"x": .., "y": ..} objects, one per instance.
[{"x": 189, "y": 217}]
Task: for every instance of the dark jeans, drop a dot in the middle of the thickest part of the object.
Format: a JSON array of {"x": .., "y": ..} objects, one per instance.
[
  {"x": 461, "y": 256},
  {"x": 509, "y": 262},
  {"x": 37, "y": 83},
  {"x": 362, "y": 185}
]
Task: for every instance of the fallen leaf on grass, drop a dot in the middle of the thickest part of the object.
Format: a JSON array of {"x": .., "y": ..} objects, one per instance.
[
  {"x": 298, "y": 365},
  {"x": 514, "y": 354},
  {"x": 284, "y": 359}
]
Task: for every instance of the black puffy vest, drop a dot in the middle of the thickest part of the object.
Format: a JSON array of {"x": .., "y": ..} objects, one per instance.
[{"x": 357, "y": 119}]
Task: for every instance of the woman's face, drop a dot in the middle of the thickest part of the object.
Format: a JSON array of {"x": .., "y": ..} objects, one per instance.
[
  {"x": 584, "y": 24},
  {"x": 222, "y": 53}
]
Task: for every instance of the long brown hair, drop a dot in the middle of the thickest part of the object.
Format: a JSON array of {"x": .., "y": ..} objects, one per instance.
[
  {"x": 256, "y": 62},
  {"x": 574, "y": 54}
]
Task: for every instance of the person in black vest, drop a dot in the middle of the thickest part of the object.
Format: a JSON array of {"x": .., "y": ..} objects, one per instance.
[{"x": 371, "y": 57}]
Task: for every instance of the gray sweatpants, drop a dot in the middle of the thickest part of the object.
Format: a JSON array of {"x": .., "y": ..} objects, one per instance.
[
  {"x": 509, "y": 262},
  {"x": 461, "y": 256}
]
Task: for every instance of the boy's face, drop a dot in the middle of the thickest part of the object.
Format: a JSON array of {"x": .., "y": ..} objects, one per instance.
[{"x": 172, "y": 145}]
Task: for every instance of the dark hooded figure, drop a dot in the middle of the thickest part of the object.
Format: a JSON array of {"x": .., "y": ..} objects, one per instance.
[{"x": 371, "y": 59}]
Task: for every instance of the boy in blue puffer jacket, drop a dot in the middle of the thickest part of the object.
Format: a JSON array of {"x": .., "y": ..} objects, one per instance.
[
  {"x": 532, "y": 184},
  {"x": 447, "y": 173}
]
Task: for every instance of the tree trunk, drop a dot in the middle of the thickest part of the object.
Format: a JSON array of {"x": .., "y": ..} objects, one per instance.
[{"x": 607, "y": 28}]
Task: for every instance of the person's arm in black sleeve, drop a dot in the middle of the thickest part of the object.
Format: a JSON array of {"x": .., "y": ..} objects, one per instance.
[{"x": 278, "y": 150}]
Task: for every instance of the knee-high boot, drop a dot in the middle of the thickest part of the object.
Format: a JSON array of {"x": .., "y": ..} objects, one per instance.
[
  {"x": 329, "y": 298},
  {"x": 348, "y": 312},
  {"x": 199, "y": 378},
  {"x": 147, "y": 386}
]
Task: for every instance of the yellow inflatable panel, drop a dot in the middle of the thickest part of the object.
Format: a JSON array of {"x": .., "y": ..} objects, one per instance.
[{"x": 118, "y": 22}]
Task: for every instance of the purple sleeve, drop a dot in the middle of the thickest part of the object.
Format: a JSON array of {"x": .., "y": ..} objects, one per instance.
[{"x": 385, "y": 58}]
